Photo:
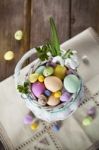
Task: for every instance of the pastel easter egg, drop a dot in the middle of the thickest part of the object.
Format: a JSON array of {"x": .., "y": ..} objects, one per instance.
[
  {"x": 87, "y": 121},
  {"x": 55, "y": 127},
  {"x": 48, "y": 71},
  {"x": 41, "y": 78},
  {"x": 52, "y": 101},
  {"x": 53, "y": 83},
  {"x": 47, "y": 92},
  {"x": 18, "y": 35},
  {"x": 33, "y": 77},
  {"x": 60, "y": 71},
  {"x": 42, "y": 100},
  {"x": 50, "y": 63},
  {"x": 71, "y": 83},
  {"x": 38, "y": 88},
  {"x": 40, "y": 70},
  {"x": 92, "y": 111},
  {"x": 9, "y": 55},
  {"x": 28, "y": 119},
  {"x": 34, "y": 125},
  {"x": 57, "y": 94},
  {"x": 65, "y": 97}
]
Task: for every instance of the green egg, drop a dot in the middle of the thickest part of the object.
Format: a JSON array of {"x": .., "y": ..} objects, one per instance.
[
  {"x": 48, "y": 71},
  {"x": 87, "y": 121},
  {"x": 71, "y": 83},
  {"x": 40, "y": 70}
]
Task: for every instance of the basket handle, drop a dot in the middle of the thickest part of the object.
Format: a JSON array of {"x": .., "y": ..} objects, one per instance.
[{"x": 20, "y": 64}]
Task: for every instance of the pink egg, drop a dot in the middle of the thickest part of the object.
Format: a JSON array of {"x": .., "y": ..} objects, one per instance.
[{"x": 38, "y": 88}]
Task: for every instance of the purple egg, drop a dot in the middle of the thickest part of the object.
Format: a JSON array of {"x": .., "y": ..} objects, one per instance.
[
  {"x": 91, "y": 111},
  {"x": 65, "y": 97},
  {"x": 38, "y": 88},
  {"x": 50, "y": 63},
  {"x": 28, "y": 119}
]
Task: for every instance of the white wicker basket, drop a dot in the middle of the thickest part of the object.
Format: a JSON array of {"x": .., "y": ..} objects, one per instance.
[{"x": 50, "y": 114}]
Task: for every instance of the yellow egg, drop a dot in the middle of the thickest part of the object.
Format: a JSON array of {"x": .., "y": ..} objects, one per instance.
[
  {"x": 60, "y": 71},
  {"x": 57, "y": 94},
  {"x": 41, "y": 78},
  {"x": 9, "y": 55},
  {"x": 33, "y": 77},
  {"x": 34, "y": 126},
  {"x": 18, "y": 35}
]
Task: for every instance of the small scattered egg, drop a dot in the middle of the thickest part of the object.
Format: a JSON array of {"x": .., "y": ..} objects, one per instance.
[
  {"x": 71, "y": 83},
  {"x": 42, "y": 100},
  {"x": 41, "y": 78},
  {"x": 48, "y": 71},
  {"x": 87, "y": 121},
  {"x": 28, "y": 119},
  {"x": 57, "y": 94},
  {"x": 47, "y": 92},
  {"x": 34, "y": 126},
  {"x": 91, "y": 111},
  {"x": 18, "y": 35},
  {"x": 55, "y": 127},
  {"x": 85, "y": 59},
  {"x": 9, "y": 55},
  {"x": 33, "y": 77}
]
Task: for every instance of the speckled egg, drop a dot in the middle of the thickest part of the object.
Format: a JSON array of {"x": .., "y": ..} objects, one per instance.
[
  {"x": 71, "y": 83},
  {"x": 60, "y": 71},
  {"x": 52, "y": 101},
  {"x": 38, "y": 88},
  {"x": 65, "y": 97},
  {"x": 48, "y": 71},
  {"x": 40, "y": 70},
  {"x": 53, "y": 83},
  {"x": 42, "y": 100}
]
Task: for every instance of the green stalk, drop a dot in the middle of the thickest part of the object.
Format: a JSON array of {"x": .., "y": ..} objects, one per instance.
[{"x": 54, "y": 41}]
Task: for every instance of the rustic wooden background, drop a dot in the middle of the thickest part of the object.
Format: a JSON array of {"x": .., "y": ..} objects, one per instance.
[{"x": 31, "y": 16}]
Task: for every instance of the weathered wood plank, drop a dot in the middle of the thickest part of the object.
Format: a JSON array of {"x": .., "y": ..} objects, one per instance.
[
  {"x": 41, "y": 11},
  {"x": 84, "y": 13},
  {"x": 12, "y": 18}
]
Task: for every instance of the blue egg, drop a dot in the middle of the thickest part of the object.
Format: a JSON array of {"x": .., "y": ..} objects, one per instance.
[
  {"x": 47, "y": 92},
  {"x": 40, "y": 69}
]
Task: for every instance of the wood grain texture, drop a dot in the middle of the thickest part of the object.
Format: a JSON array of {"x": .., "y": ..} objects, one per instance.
[
  {"x": 84, "y": 13},
  {"x": 41, "y": 11},
  {"x": 12, "y": 18}
]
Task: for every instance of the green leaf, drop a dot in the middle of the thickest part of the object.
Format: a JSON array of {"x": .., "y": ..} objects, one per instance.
[
  {"x": 42, "y": 52},
  {"x": 68, "y": 54},
  {"x": 23, "y": 88},
  {"x": 54, "y": 41}
]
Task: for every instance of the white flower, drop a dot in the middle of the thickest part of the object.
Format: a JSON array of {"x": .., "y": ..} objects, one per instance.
[
  {"x": 72, "y": 62},
  {"x": 58, "y": 59}
]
